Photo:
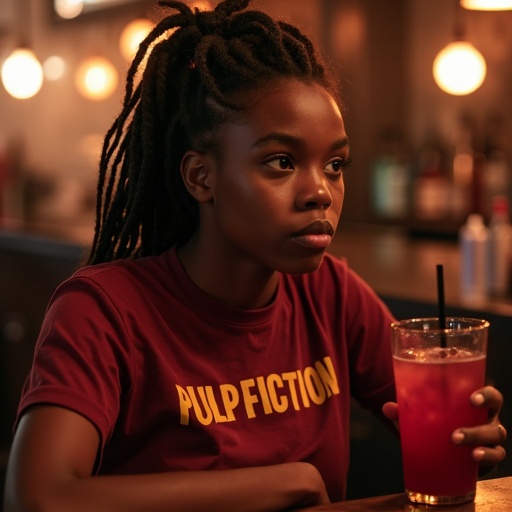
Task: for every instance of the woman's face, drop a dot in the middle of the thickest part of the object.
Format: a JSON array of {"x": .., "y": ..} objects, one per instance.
[{"x": 277, "y": 187}]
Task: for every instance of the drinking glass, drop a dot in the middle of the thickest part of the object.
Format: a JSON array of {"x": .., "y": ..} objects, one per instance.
[{"x": 436, "y": 371}]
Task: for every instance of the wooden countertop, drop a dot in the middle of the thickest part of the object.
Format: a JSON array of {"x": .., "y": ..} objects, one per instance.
[
  {"x": 493, "y": 495},
  {"x": 397, "y": 265}
]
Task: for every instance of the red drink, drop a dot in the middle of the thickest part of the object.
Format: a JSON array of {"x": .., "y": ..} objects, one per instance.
[{"x": 433, "y": 391}]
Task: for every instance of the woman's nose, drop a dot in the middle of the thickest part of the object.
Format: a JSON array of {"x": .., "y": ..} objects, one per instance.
[{"x": 314, "y": 192}]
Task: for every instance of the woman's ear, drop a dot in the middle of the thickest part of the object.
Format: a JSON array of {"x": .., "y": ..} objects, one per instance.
[{"x": 196, "y": 171}]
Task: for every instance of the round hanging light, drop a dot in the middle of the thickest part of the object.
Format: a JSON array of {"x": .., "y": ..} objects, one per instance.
[
  {"x": 132, "y": 35},
  {"x": 54, "y": 68},
  {"x": 459, "y": 68},
  {"x": 487, "y": 5},
  {"x": 22, "y": 74},
  {"x": 96, "y": 78},
  {"x": 69, "y": 9}
]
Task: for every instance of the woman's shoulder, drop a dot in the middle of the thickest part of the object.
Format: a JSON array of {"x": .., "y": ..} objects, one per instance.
[
  {"x": 124, "y": 270},
  {"x": 119, "y": 281}
]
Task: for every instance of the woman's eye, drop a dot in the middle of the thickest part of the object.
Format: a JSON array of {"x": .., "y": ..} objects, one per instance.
[
  {"x": 338, "y": 165},
  {"x": 280, "y": 163}
]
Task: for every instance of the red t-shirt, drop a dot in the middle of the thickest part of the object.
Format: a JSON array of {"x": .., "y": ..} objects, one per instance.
[{"x": 174, "y": 380}]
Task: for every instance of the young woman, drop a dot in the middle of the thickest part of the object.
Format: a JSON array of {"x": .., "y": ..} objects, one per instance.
[{"x": 205, "y": 358}]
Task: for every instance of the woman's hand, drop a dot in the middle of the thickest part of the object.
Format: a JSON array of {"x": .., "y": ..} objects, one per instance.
[{"x": 487, "y": 439}]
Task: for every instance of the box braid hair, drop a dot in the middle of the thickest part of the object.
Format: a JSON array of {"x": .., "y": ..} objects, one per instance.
[{"x": 193, "y": 62}]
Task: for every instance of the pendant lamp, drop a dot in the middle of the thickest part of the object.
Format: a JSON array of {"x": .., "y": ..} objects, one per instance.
[
  {"x": 459, "y": 68},
  {"x": 21, "y": 72},
  {"x": 487, "y": 5}
]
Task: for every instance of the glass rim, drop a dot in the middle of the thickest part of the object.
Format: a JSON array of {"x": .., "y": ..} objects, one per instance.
[{"x": 473, "y": 324}]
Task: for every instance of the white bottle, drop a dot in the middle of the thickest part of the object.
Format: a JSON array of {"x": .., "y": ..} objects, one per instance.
[
  {"x": 473, "y": 243},
  {"x": 499, "y": 248}
]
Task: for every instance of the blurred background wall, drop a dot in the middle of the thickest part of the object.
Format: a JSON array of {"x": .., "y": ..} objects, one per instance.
[{"x": 383, "y": 51}]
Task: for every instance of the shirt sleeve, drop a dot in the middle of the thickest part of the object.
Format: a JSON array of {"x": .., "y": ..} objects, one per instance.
[
  {"x": 82, "y": 358},
  {"x": 368, "y": 324}
]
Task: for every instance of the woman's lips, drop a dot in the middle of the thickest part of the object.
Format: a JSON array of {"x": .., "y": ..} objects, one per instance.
[
  {"x": 317, "y": 235},
  {"x": 314, "y": 241}
]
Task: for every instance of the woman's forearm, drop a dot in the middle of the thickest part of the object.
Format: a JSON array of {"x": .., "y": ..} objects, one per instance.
[{"x": 268, "y": 488}]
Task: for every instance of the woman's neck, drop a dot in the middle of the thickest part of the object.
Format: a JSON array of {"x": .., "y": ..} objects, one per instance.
[{"x": 235, "y": 281}]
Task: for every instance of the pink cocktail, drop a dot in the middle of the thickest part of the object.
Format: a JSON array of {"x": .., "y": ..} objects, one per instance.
[{"x": 433, "y": 387}]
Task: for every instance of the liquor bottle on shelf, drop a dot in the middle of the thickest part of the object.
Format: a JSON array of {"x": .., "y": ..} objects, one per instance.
[
  {"x": 496, "y": 175},
  {"x": 390, "y": 178},
  {"x": 473, "y": 243},
  {"x": 499, "y": 248},
  {"x": 431, "y": 187}
]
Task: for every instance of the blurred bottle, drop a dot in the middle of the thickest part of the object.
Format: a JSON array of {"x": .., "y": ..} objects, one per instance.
[
  {"x": 496, "y": 175},
  {"x": 462, "y": 142},
  {"x": 499, "y": 248},
  {"x": 431, "y": 191},
  {"x": 462, "y": 181},
  {"x": 390, "y": 178},
  {"x": 473, "y": 243},
  {"x": 496, "y": 179}
]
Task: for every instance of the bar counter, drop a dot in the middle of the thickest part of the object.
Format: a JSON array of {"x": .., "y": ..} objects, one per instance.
[
  {"x": 494, "y": 495},
  {"x": 401, "y": 266}
]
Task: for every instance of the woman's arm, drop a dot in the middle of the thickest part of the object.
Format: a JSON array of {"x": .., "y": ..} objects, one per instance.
[{"x": 53, "y": 455}]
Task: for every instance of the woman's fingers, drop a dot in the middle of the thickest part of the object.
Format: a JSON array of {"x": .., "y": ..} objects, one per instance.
[
  {"x": 390, "y": 410},
  {"x": 487, "y": 438},
  {"x": 488, "y": 397},
  {"x": 490, "y": 434},
  {"x": 489, "y": 456}
]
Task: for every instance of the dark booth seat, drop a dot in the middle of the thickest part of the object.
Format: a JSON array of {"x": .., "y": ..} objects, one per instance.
[{"x": 31, "y": 267}]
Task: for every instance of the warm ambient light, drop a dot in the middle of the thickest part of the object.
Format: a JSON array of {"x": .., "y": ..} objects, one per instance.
[
  {"x": 487, "y": 5},
  {"x": 69, "y": 9},
  {"x": 54, "y": 68},
  {"x": 22, "y": 74},
  {"x": 137, "y": 30},
  {"x": 96, "y": 78},
  {"x": 459, "y": 68},
  {"x": 202, "y": 5},
  {"x": 132, "y": 35}
]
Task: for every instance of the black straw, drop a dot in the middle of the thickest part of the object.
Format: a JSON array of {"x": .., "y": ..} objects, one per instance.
[{"x": 440, "y": 302}]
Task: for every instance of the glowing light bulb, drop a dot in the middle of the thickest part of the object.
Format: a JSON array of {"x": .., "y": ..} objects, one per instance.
[
  {"x": 487, "y": 5},
  {"x": 96, "y": 78},
  {"x": 54, "y": 68},
  {"x": 132, "y": 35},
  {"x": 69, "y": 9},
  {"x": 22, "y": 74},
  {"x": 459, "y": 68}
]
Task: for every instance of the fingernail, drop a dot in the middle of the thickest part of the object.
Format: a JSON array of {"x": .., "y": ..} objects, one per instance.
[
  {"x": 478, "y": 454},
  {"x": 458, "y": 437},
  {"x": 478, "y": 399}
]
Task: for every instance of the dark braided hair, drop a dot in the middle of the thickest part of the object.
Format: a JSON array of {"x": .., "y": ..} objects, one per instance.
[{"x": 193, "y": 64}]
